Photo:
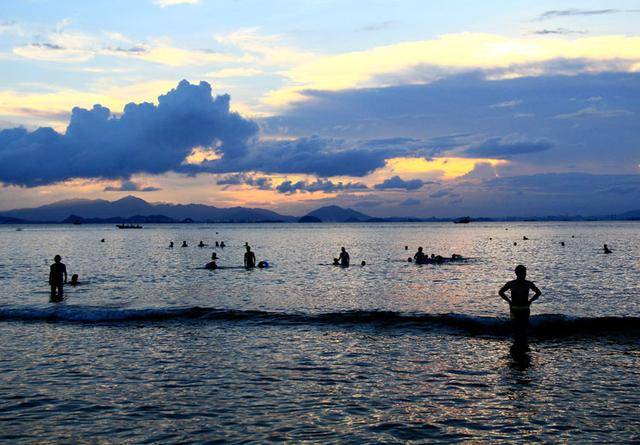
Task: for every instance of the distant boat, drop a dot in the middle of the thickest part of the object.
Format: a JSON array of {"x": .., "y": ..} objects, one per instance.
[
  {"x": 463, "y": 220},
  {"x": 128, "y": 226}
]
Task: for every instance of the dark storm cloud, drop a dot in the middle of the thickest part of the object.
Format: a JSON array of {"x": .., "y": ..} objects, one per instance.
[
  {"x": 573, "y": 12},
  {"x": 309, "y": 155},
  {"x": 462, "y": 111},
  {"x": 320, "y": 185},
  {"x": 145, "y": 139},
  {"x": 442, "y": 193},
  {"x": 396, "y": 182},
  {"x": 130, "y": 186}
]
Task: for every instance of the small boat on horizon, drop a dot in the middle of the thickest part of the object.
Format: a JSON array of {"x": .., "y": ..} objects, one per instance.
[
  {"x": 128, "y": 226},
  {"x": 463, "y": 220}
]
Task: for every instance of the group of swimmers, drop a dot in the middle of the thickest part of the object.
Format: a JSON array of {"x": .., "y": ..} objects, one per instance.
[
  {"x": 249, "y": 261},
  {"x": 422, "y": 258},
  {"x": 200, "y": 244}
]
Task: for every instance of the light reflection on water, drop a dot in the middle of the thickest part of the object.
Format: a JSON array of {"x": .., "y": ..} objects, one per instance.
[{"x": 200, "y": 380}]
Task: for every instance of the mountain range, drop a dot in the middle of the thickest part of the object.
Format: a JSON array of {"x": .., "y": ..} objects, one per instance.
[{"x": 131, "y": 209}]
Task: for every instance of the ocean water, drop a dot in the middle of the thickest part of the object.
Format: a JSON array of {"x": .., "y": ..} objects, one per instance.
[{"x": 153, "y": 348}]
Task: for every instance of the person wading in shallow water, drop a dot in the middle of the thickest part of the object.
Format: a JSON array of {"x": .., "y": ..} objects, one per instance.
[
  {"x": 57, "y": 278},
  {"x": 519, "y": 302},
  {"x": 249, "y": 259}
]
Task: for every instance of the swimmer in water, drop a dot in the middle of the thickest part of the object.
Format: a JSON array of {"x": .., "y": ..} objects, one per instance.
[
  {"x": 249, "y": 259},
  {"x": 211, "y": 265},
  {"x": 57, "y": 278},
  {"x": 344, "y": 257},
  {"x": 363, "y": 263},
  {"x": 519, "y": 302},
  {"x": 606, "y": 249},
  {"x": 562, "y": 243},
  {"x": 201, "y": 244},
  {"x": 184, "y": 244},
  {"x": 102, "y": 240},
  {"x": 217, "y": 244},
  {"x": 171, "y": 245},
  {"x": 222, "y": 244},
  {"x": 74, "y": 280},
  {"x": 336, "y": 262},
  {"x": 214, "y": 256},
  {"x": 419, "y": 256},
  {"x": 263, "y": 265},
  {"x": 524, "y": 238}
]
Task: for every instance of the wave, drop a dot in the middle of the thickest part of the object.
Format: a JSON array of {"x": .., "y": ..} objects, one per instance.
[{"x": 545, "y": 325}]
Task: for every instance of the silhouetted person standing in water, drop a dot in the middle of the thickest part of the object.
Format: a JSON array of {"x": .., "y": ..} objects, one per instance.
[
  {"x": 419, "y": 256},
  {"x": 606, "y": 249},
  {"x": 249, "y": 259},
  {"x": 57, "y": 278},
  {"x": 519, "y": 302},
  {"x": 344, "y": 257}
]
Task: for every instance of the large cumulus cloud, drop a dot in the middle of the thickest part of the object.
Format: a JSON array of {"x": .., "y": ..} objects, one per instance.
[{"x": 146, "y": 138}]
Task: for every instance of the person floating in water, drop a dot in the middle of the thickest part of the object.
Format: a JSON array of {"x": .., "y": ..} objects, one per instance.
[
  {"x": 562, "y": 243},
  {"x": 363, "y": 263},
  {"x": 57, "y": 278},
  {"x": 606, "y": 249},
  {"x": 74, "y": 280},
  {"x": 214, "y": 256},
  {"x": 171, "y": 245},
  {"x": 419, "y": 257},
  {"x": 249, "y": 259},
  {"x": 336, "y": 262},
  {"x": 217, "y": 244},
  {"x": 222, "y": 244},
  {"x": 344, "y": 257},
  {"x": 102, "y": 240},
  {"x": 519, "y": 303},
  {"x": 211, "y": 265},
  {"x": 201, "y": 244},
  {"x": 184, "y": 244},
  {"x": 263, "y": 265}
]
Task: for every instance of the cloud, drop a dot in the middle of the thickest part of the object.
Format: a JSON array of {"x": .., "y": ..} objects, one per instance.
[
  {"x": 442, "y": 193},
  {"x": 498, "y": 148},
  {"x": 506, "y": 104},
  {"x": 573, "y": 12},
  {"x": 146, "y": 138},
  {"x": 259, "y": 182},
  {"x": 410, "y": 202},
  {"x": 320, "y": 185},
  {"x": 165, "y": 3},
  {"x": 378, "y": 26},
  {"x": 235, "y": 72},
  {"x": 396, "y": 182},
  {"x": 593, "y": 112},
  {"x": 130, "y": 186},
  {"x": 557, "y": 184},
  {"x": 430, "y": 60},
  {"x": 557, "y": 31},
  {"x": 324, "y": 157}
]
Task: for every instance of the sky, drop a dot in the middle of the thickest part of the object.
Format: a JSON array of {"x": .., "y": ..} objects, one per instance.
[{"x": 393, "y": 108}]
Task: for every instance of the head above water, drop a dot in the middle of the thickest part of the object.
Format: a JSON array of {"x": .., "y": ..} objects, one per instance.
[
  {"x": 419, "y": 249},
  {"x": 521, "y": 272},
  {"x": 57, "y": 258}
]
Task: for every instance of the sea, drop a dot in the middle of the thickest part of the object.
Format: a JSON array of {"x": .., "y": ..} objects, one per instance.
[{"x": 151, "y": 347}]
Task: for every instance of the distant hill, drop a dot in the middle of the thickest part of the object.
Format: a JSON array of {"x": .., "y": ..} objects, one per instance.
[
  {"x": 132, "y": 209},
  {"x": 309, "y": 219},
  {"x": 338, "y": 214}
]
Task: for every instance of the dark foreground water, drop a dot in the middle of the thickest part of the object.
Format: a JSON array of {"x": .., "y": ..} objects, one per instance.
[{"x": 150, "y": 348}]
